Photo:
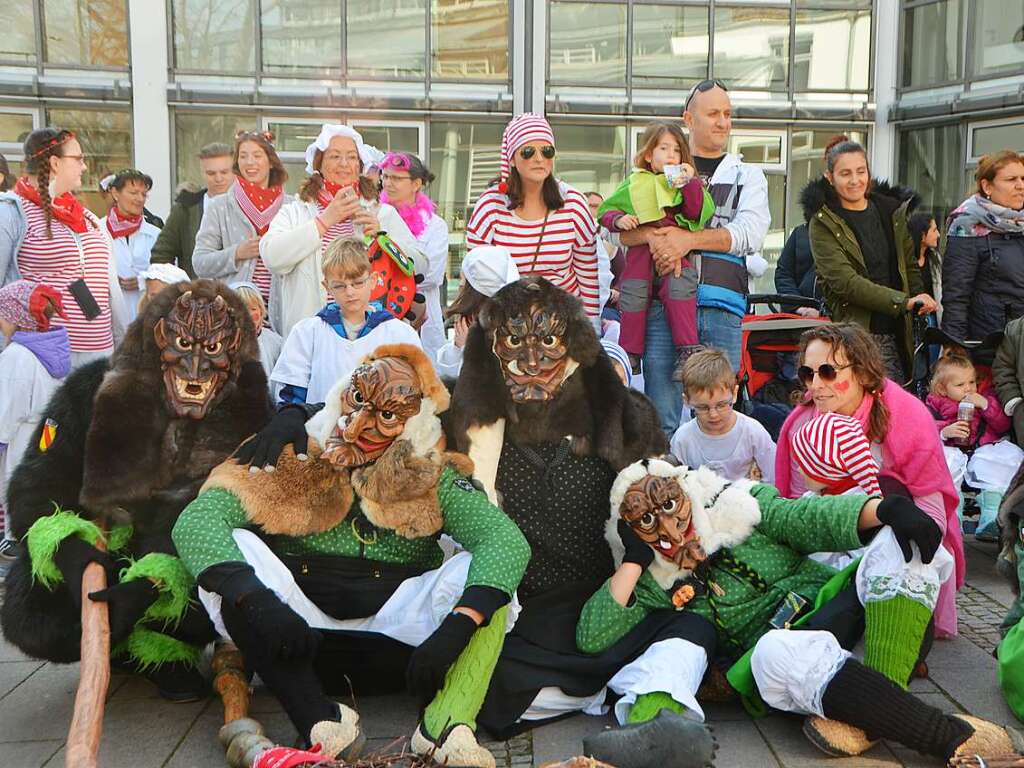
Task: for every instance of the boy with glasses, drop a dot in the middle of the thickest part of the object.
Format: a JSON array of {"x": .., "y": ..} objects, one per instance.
[
  {"x": 323, "y": 349},
  {"x": 731, "y": 444}
]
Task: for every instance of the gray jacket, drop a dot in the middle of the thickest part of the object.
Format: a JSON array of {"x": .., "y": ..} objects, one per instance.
[
  {"x": 223, "y": 229},
  {"x": 12, "y": 233}
]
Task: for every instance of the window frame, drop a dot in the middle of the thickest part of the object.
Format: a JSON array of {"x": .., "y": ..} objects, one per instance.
[
  {"x": 42, "y": 61},
  {"x": 419, "y": 125},
  {"x": 12, "y": 150},
  {"x": 971, "y": 160}
]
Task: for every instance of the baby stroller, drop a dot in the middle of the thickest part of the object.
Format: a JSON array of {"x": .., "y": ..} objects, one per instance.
[
  {"x": 978, "y": 504},
  {"x": 768, "y": 358}
]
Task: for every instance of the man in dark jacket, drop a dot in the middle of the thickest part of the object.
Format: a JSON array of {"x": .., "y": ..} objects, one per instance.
[{"x": 178, "y": 238}]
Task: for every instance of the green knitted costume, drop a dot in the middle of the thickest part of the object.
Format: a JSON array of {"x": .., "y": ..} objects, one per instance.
[
  {"x": 893, "y": 632},
  {"x": 465, "y": 686}
]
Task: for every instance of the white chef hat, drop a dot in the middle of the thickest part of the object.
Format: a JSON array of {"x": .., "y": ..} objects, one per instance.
[
  {"x": 489, "y": 268},
  {"x": 367, "y": 154},
  {"x": 165, "y": 273}
]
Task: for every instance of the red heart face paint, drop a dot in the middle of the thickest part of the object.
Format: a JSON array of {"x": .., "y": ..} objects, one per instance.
[{"x": 841, "y": 386}]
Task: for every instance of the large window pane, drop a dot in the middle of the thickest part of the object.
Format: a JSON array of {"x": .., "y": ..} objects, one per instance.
[
  {"x": 464, "y": 157},
  {"x": 832, "y": 50},
  {"x": 469, "y": 39},
  {"x": 14, "y": 127},
  {"x": 18, "y": 43},
  {"x": 588, "y": 43},
  {"x": 388, "y": 138},
  {"x": 670, "y": 45},
  {"x": 756, "y": 148},
  {"x": 88, "y": 33},
  {"x": 993, "y": 138},
  {"x": 301, "y": 35},
  {"x": 106, "y": 139},
  {"x": 752, "y": 47},
  {"x": 932, "y": 36},
  {"x": 591, "y": 157},
  {"x": 806, "y": 162},
  {"x": 398, "y": 27},
  {"x": 998, "y": 37},
  {"x": 931, "y": 161},
  {"x": 776, "y": 236},
  {"x": 215, "y": 35},
  {"x": 193, "y": 131}
]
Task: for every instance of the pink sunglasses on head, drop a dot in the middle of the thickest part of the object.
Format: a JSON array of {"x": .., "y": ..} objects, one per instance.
[{"x": 395, "y": 160}]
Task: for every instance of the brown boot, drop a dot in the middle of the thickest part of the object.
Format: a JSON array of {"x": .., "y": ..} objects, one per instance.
[
  {"x": 835, "y": 738},
  {"x": 988, "y": 740}
]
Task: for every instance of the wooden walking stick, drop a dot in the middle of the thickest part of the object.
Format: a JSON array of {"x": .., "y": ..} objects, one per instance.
[
  {"x": 86, "y": 730},
  {"x": 241, "y": 736}
]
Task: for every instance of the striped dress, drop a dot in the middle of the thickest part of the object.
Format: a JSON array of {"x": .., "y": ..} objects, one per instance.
[
  {"x": 58, "y": 261},
  {"x": 568, "y": 253}
]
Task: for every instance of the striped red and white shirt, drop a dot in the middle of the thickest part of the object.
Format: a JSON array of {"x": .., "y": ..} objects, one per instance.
[
  {"x": 568, "y": 253},
  {"x": 57, "y": 261}
]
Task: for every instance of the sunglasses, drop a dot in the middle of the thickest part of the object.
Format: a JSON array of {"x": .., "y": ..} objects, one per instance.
[
  {"x": 703, "y": 86},
  {"x": 546, "y": 152},
  {"x": 825, "y": 371}
]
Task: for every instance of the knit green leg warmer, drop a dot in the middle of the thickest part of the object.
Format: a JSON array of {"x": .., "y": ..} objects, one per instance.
[
  {"x": 648, "y": 705},
  {"x": 459, "y": 700},
  {"x": 894, "y": 631}
]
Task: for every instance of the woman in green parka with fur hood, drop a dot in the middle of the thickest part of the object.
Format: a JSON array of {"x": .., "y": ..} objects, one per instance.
[{"x": 863, "y": 251}]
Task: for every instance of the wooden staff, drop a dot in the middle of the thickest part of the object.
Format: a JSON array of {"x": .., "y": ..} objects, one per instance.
[{"x": 86, "y": 730}]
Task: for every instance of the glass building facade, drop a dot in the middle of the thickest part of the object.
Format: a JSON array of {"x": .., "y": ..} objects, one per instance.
[{"x": 928, "y": 85}]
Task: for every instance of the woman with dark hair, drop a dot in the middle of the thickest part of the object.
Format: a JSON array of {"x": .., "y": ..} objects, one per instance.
[
  {"x": 336, "y": 200},
  {"x": 545, "y": 223},
  {"x": 48, "y": 236},
  {"x": 863, "y": 252},
  {"x": 132, "y": 235},
  {"x": 403, "y": 179},
  {"x": 5, "y": 174},
  {"x": 843, "y": 371},
  {"x": 925, "y": 234},
  {"x": 228, "y": 241},
  {"x": 983, "y": 267}
]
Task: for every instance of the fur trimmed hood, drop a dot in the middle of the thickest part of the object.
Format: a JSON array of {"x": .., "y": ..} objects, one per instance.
[
  {"x": 724, "y": 513},
  {"x": 818, "y": 193}
]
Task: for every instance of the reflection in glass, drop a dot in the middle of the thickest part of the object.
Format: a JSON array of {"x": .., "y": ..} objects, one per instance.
[
  {"x": 998, "y": 37},
  {"x": 932, "y": 36},
  {"x": 386, "y": 38},
  {"x": 14, "y": 127},
  {"x": 832, "y": 51},
  {"x": 994, "y": 138},
  {"x": 588, "y": 43},
  {"x": 106, "y": 139},
  {"x": 931, "y": 161},
  {"x": 301, "y": 35},
  {"x": 806, "y": 162},
  {"x": 18, "y": 43},
  {"x": 756, "y": 148},
  {"x": 214, "y": 35},
  {"x": 88, "y": 33},
  {"x": 776, "y": 236},
  {"x": 294, "y": 137},
  {"x": 469, "y": 39},
  {"x": 464, "y": 157},
  {"x": 752, "y": 47},
  {"x": 193, "y": 131},
  {"x": 670, "y": 45},
  {"x": 387, "y": 138},
  {"x": 591, "y": 157}
]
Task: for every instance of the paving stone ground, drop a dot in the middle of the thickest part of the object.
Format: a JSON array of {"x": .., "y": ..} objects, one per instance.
[{"x": 142, "y": 731}]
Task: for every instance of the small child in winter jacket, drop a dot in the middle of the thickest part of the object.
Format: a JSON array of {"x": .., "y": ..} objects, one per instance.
[
  {"x": 651, "y": 195},
  {"x": 269, "y": 342},
  {"x": 32, "y": 365},
  {"x": 993, "y": 459}
]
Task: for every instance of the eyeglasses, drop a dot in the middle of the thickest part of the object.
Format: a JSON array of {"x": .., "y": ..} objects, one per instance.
[
  {"x": 547, "y": 152},
  {"x": 703, "y": 410},
  {"x": 77, "y": 158},
  {"x": 702, "y": 87},
  {"x": 826, "y": 372},
  {"x": 386, "y": 177},
  {"x": 355, "y": 285}
]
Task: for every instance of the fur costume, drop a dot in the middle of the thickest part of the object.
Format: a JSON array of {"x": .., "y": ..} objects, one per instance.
[
  {"x": 348, "y": 542},
  {"x": 112, "y": 450}
]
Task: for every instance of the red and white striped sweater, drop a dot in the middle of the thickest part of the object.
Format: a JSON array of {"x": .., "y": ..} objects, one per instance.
[
  {"x": 57, "y": 262},
  {"x": 568, "y": 253}
]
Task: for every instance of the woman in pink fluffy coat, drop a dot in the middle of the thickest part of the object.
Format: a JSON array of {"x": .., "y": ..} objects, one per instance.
[{"x": 843, "y": 371}]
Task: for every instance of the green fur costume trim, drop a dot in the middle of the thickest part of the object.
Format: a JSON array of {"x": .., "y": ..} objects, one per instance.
[
  {"x": 44, "y": 538},
  {"x": 172, "y": 579},
  {"x": 149, "y": 649}
]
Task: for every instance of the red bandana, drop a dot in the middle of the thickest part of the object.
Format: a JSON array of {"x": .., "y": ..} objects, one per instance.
[
  {"x": 67, "y": 208},
  {"x": 260, "y": 205},
  {"x": 323, "y": 199},
  {"x": 121, "y": 224}
]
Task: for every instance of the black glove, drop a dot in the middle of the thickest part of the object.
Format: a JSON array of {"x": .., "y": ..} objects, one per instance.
[
  {"x": 72, "y": 556},
  {"x": 430, "y": 662},
  {"x": 910, "y": 524},
  {"x": 287, "y": 427},
  {"x": 637, "y": 550},
  {"x": 126, "y": 602},
  {"x": 280, "y": 631}
]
